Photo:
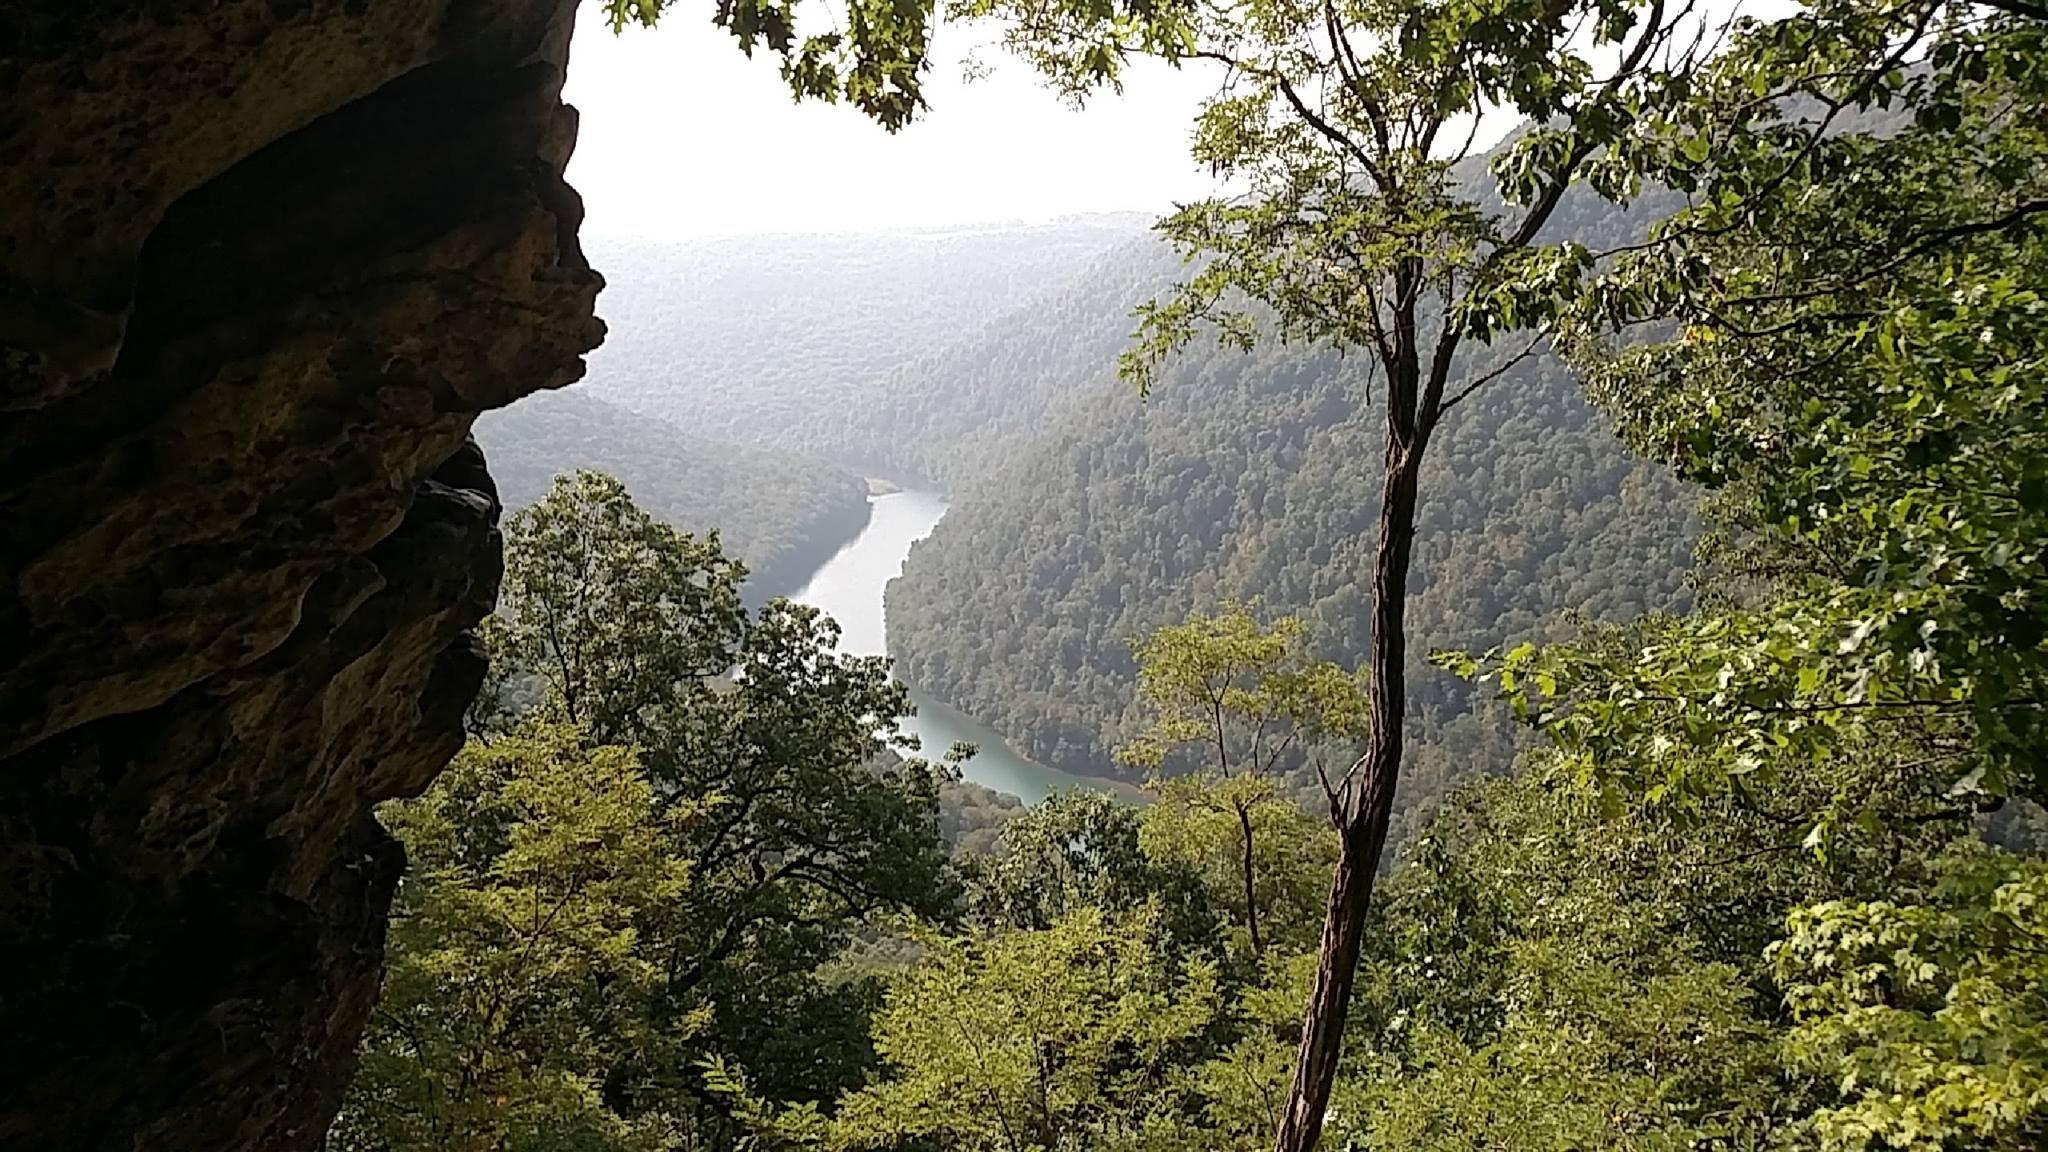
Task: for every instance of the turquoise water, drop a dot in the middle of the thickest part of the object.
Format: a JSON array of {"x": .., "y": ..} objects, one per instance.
[{"x": 849, "y": 588}]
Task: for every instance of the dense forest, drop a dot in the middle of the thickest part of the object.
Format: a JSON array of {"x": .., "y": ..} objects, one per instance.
[
  {"x": 956, "y": 413},
  {"x": 781, "y": 513},
  {"x": 1253, "y": 477},
  {"x": 1766, "y": 874},
  {"x": 781, "y": 341}
]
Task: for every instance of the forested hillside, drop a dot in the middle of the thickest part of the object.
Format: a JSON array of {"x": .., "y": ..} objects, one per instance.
[
  {"x": 685, "y": 895},
  {"x": 1085, "y": 516},
  {"x": 961, "y": 408},
  {"x": 959, "y": 411},
  {"x": 776, "y": 340},
  {"x": 780, "y": 512}
]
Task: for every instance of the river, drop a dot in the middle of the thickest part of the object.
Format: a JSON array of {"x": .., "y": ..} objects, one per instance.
[{"x": 849, "y": 588}]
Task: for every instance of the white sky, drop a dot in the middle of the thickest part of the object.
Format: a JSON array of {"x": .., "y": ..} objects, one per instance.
[{"x": 683, "y": 136}]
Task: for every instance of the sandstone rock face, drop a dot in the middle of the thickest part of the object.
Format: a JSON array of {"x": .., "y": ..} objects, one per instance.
[{"x": 261, "y": 264}]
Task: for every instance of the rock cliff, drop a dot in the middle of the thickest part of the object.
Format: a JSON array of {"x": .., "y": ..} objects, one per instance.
[{"x": 261, "y": 264}]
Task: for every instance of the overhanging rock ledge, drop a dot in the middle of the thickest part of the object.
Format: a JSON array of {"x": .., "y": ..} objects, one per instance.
[{"x": 261, "y": 264}]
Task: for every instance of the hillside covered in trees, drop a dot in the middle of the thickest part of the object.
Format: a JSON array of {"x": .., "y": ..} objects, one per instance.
[
  {"x": 1082, "y": 516},
  {"x": 1764, "y": 876},
  {"x": 782, "y": 341},
  {"x": 781, "y": 513},
  {"x": 1244, "y": 477}
]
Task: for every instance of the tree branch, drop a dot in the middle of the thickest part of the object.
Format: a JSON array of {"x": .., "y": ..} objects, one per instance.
[{"x": 1489, "y": 377}]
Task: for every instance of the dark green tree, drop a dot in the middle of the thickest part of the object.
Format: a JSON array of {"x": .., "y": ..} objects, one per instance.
[
  {"x": 610, "y": 925},
  {"x": 807, "y": 836},
  {"x": 624, "y": 618},
  {"x": 1081, "y": 850}
]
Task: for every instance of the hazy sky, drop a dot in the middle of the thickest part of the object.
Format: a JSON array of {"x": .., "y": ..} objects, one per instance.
[{"x": 683, "y": 136}]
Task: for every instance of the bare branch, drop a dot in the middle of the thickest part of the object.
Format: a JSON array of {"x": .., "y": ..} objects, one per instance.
[
  {"x": 1490, "y": 377},
  {"x": 1333, "y": 133}
]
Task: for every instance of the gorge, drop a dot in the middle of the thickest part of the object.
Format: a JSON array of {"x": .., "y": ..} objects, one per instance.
[{"x": 851, "y": 587}]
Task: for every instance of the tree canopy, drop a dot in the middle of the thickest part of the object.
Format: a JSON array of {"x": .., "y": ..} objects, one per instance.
[
  {"x": 681, "y": 893},
  {"x": 648, "y": 878}
]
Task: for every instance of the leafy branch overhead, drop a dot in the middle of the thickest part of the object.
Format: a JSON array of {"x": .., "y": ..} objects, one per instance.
[
  {"x": 871, "y": 54},
  {"x": 1858, "y": 367},
  {"x": 874, "y": 59}
]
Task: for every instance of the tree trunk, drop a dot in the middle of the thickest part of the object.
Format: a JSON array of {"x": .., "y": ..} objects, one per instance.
[
  {"x": 1249, "y": 862},
  {"x": 1368, "y": 806}
]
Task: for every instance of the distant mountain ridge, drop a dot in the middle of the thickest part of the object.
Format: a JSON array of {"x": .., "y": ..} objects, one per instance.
[
  {"x": 1083, "y": 517},
  {"x": 734, "y": 388},
  {"x": 984, "y": 365},
  {"x": 774, "y": 341}
]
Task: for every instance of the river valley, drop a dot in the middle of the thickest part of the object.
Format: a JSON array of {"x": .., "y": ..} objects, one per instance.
[{"x": 849, "y": 588}]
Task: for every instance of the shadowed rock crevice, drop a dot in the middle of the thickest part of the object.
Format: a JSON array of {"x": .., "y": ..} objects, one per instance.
[{"x": 239, "y": 559}]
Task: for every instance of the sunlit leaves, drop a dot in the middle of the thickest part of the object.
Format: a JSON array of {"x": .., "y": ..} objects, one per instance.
[
  {"x": 1264, "y": 858},
  {"x": 1678, "y": 707},
  {"x": 519, "y": 970},
  {"x": 1930, "y": 1020},
  {"x": 621, "y": 615},
  {"x": 1550, "y": 973},
  {"x": 1241, "y": 703},
  {"x": 1069, "y": 1036},
  {"x": 1239, "y": 696}
]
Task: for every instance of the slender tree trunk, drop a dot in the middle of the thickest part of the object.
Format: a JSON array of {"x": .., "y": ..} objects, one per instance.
[
  {"x": 1251, "y": 900},
  {"x": 1368, "y": 806}
]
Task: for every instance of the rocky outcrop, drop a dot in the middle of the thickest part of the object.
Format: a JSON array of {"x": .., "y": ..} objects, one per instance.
[{"x": 261, "y": 263}]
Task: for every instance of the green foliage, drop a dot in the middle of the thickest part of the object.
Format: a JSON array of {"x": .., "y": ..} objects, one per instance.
[
  {"x": 623, "y": 616},
  {"x": 806, "y": 841},
  {"x": 1091, "y": 1002},
  {"x": 875, "y": 62},
  {"x": 1079, "y": 850},
  {"x": 1244, "y": 700},
  {"x": 972, "y": 818},
  {"x": 1239, "y": 836},
  {"x": 780, "y": 513},
  {"x": 1858, "y": 365},
  {"x": 1843, "y": 333},
  {"x": 1587, "y": 1059},
  {"x": 1552, "y": 971},
  {"x": 1931, "y": 1019},
  {"x": 1069, "y": 1036},
  {"x": 1717, "y": 916},
  {"x": 518, "y": 977},
  {"x": 766, "y": 786},
  {"x": 1246, "y": 695}
]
